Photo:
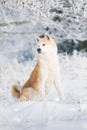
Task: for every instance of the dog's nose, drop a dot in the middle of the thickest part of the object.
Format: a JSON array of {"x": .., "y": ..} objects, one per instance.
[{"x": 39, "y": 50}]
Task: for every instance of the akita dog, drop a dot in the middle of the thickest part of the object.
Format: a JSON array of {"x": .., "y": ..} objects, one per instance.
[{"x": 45, "y": 73}]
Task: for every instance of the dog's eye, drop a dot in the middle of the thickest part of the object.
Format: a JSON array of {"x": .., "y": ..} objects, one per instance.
[{"x": 44, "y": 44}]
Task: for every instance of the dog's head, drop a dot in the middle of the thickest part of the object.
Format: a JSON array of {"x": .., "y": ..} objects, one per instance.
[{"x": 46, "y": 45}]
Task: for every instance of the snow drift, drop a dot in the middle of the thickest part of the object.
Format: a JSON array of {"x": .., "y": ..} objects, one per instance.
[{"x": 49, "y": 114}]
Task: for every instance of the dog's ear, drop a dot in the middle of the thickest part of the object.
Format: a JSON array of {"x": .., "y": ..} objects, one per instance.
[
  {"x": 37, "y": 39},
  {"x": 47, "y": 36}
]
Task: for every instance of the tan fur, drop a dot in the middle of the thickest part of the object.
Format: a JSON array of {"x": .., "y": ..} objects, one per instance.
[
  {"x": 45, "y": 40},
  {"x": 32, "y": 82},
  {"x": 15, "y": 91},
  {"x": 45, "y": 71}
]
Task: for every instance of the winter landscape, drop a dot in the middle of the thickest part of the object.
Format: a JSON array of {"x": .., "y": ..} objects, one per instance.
[{"x": 20, "y": 22}]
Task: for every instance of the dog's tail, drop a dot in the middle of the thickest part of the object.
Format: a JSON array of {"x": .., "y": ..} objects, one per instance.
[{"x": 15, "y": 92}]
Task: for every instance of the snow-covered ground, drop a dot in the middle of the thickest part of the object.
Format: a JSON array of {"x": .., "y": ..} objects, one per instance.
[
  {"x": 49, "y": 114},
  {"x": 64, "y": 20}
]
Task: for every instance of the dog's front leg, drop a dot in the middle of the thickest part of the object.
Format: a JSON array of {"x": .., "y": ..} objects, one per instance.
[
  {"x": 59, "y": 89},
  {"x": 39, "y": 96},
  {"x": 41, "y": 91}
]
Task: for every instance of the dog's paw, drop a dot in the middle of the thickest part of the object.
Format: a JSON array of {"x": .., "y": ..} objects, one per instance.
[
  {"x": 36, "y": 98},
  {"x": 62, "y": 98}
]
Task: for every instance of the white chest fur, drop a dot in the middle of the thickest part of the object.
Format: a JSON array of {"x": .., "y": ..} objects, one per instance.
[{"x": 49, "y": 67}]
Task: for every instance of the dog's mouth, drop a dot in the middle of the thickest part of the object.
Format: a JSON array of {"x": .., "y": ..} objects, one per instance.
[{"x": 40, "y": 51}]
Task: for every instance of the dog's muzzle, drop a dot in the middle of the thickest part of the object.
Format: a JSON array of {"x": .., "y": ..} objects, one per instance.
[{"x": 39, "y": 50}]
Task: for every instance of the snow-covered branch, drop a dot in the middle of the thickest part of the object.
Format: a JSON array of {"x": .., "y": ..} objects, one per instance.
[{"x": 68, "y": 17}]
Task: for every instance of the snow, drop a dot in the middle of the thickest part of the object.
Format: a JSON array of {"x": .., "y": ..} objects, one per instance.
[
  {"x": 43, "y": 115},
  {"x": 18, "y": 28},
  {"x": 49, "y": 114},
  {"x": 71, "y": 23}
]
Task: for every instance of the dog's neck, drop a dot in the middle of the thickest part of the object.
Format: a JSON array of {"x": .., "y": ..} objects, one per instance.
[{"x": 47, "y": 59}]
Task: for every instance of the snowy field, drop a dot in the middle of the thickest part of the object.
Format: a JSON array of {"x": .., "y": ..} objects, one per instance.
[
  {"x": 19, "y": 25},
  {"x": 49, "y": 114}
]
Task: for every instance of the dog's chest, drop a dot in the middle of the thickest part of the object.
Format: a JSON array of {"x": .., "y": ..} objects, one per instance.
[{"x": 49, "y": 70}]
